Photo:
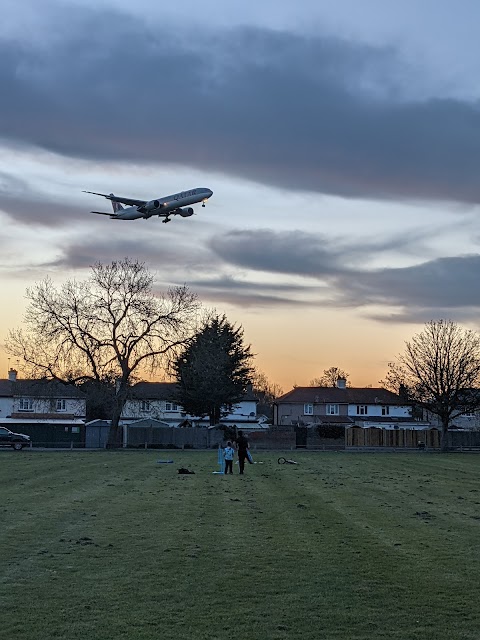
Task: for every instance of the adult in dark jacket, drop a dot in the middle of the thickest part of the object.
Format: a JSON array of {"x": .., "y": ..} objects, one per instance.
[{"x": 242, "y": 448}]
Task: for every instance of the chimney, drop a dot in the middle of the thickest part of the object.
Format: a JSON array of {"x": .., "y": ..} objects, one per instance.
[
  {"x": 12, "y": 375},
  {"x": 341, "y": 383}
]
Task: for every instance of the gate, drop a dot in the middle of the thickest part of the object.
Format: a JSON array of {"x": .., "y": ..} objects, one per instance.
[{"x": 301, "y": 437}]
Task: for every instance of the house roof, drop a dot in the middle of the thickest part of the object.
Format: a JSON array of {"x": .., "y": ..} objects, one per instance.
[
  {"x": 39, "y": 389},
  {"x": 6, "y": 388},
  {"x": 46, "y": 389},
  {"x": 335, "y": 395},
  {"x": 154, "y": 390},
  {"x": 168, "y": 391}
]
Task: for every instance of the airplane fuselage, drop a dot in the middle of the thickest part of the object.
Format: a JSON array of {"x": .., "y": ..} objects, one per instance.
[
  {"x": 168, "y": 205},
  {"x": 175, "y": 205}
]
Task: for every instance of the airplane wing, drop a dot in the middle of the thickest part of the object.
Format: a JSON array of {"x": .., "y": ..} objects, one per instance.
[
  {"x": 128, "y": 201},
  {"x": 102, "y": 213}
]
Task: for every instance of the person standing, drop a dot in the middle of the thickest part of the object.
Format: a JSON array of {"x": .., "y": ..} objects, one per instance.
[
  {"x": 228, "y": 454},
  {"x": 242, "y": 449}
]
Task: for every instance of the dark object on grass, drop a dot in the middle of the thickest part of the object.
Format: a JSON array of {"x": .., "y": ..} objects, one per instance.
[
  {"x": 286, "y": 461},
  {"x": 164, "y": 461},
  {"x": 184, "y": 471}
]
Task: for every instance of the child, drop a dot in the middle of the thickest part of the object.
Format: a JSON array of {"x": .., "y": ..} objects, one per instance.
[{"x": 228, "y": 453}]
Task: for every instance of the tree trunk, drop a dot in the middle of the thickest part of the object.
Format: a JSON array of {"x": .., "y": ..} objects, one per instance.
[
  {"x": 115, "y": 433},
  {"x": 444, "y": 435},
  {"x": 214, "y": 416}
]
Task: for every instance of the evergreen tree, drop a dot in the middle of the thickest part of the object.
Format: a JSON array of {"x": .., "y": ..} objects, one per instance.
[{"x": 214, "y": 370}]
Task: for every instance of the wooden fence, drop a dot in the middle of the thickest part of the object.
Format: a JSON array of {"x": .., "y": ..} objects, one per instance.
[
  {"x": 392, "y": 438},
  {"x": 172, "y": 438}
]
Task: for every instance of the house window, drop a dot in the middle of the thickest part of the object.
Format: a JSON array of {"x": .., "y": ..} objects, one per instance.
[
  {"x": 25, "y": 404},
  {"x": 61, "y": 404},
  {"x": 308, "y": 409},
  {"x": 75, "y": 429},
  {"x": 171, "y": 406},
  {"x": 362, "y": 409},
  {"x": 333, "y": 410},
  {"x": 385, "y": 411},
  {"x": 145, "y": 405}
]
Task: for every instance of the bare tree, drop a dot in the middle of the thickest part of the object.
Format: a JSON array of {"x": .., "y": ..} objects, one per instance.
[
  {"x": 266, "y": 392},
  {"x": 330, "y": 378},
  {"x": 439, "y": 371},
  {"x": 110, "y": 325}
]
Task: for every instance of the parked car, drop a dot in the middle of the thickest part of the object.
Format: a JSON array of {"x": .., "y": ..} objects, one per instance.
[{"x": 15, "y": 440}]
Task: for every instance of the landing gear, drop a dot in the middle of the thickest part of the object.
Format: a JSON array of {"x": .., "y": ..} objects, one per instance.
[
  {"x": 165, "y": 220},
  {"x": 203, "y": 203}
]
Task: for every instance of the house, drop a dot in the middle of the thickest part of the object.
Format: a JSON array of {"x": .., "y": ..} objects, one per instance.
[
  {"x": 468, "y": 420},
  {"x": 156, "y": 400},
  {"x": 6, "y": 396},
  {"x": 151, "y": 412},
  {"x": 343, "y": 406},
  {"x": 50, "y": 412}
]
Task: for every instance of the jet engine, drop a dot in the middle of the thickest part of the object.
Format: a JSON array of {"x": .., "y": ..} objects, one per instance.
[
  {"x": 185, "y": 213},
  {"x": 151, "y": 205}
]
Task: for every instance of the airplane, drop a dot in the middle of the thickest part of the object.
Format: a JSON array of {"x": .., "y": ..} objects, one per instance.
[{"x": 174, "y": 205}]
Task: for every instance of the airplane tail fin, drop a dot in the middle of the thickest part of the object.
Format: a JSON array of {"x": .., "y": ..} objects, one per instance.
[{"x": 116, "y": 206}]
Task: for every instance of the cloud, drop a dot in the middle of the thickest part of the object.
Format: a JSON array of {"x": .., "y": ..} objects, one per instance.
[
  {"x": 294, "y": 252},
  {"x": 443, "y": 283},
  {"x": 441, "y": 287},
  {"x": 302, "y": 253},
  {"x": 27, "y": 206},
  {"x": 310, "y": 113},
  {"x": 260, "y": 295},
  {"x": 236, "y": 268},
  {"x": 172, "y": 259}
]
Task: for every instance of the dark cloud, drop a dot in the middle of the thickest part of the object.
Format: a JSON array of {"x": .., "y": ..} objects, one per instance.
[
  {"x": 27, "y": 206},
  {"x": 32, "y": 212},
  {"x": 298, "y": 112},
  {"x": 320, "y": 272},
  {"x": 245, "y": 293},
  {"x": 248, "y": 299},
  {"x": 158, "y": 246},
  {"x": 306, "y": 254},
  {"x": 444, "y": 283},
  {"x": 443, "y": 287},
  {"x": 293, "y": 252},
  {"x": 421, "y": 315}
]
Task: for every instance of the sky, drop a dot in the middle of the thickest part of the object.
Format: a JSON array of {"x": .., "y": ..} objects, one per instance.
[{"x": 341, "y": 141}]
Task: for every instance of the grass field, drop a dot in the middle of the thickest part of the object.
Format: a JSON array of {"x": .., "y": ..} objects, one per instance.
[{"x": 103, "y": 545}]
